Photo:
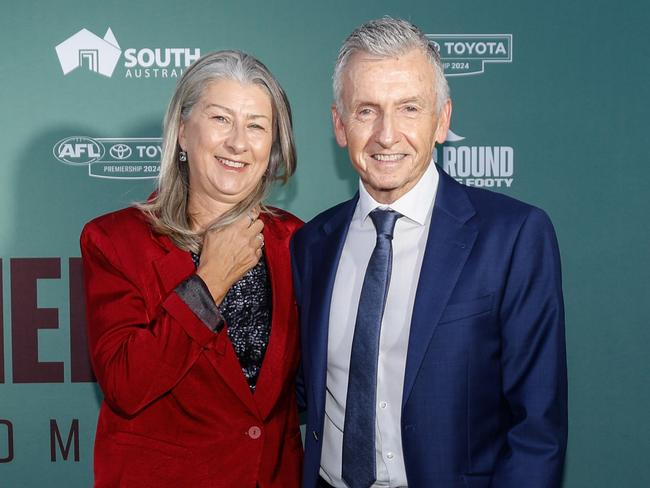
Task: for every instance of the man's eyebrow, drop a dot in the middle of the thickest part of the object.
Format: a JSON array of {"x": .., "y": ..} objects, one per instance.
[
  {"x": 416, "y": 99},
  {"x": 360, "y": 102}
]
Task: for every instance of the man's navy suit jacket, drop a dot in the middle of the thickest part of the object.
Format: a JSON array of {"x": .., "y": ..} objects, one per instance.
[{"x": 485, "y": 390}]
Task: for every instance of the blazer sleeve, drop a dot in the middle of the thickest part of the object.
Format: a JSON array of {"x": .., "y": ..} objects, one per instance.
[
  {"x": 137, "y": 356},
  {"x": 534, "y": 373}
]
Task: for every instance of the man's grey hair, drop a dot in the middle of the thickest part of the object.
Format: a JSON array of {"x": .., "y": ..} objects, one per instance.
[{"x": 387, "y": 38}]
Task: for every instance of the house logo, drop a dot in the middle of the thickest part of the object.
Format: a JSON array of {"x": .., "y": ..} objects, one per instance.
[
  {"x": 476, "y": 165},
  {"x": 85, "y": 49},
  {"x": 102, "y": 55},
  {"x": 467, "y": 54},
  {"x": 126, "y": 157}
]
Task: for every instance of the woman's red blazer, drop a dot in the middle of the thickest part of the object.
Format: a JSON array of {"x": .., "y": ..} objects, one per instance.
[{"x": 177, "y": 410}]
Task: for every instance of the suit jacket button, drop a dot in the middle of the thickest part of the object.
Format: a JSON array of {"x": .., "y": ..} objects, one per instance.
[{"x": 254, "y": 432}]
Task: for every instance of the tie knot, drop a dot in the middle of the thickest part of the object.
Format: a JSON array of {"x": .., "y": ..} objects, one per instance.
[{"x": 384, "y": 221}]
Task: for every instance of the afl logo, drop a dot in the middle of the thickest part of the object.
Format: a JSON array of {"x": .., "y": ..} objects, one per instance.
[
  {"x": 78, "y": 150},
  {"x": 120, "y": 151}
]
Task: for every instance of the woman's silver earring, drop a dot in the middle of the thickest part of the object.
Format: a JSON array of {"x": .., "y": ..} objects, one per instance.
[{"x": 182, "y": 156}]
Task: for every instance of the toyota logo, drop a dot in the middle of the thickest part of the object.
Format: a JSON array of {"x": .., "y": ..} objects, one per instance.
[{"x": 120, "y": 151}]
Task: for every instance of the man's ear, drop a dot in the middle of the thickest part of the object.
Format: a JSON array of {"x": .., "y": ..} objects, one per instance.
[
  {"x": 339, "y": 127},
  {"x": 444, "y": 118}
]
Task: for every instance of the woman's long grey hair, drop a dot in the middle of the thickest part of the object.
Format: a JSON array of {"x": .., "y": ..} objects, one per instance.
[{"x": 167, "y": 209}]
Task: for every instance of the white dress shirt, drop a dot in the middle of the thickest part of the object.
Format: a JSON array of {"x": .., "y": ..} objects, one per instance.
[{"x": 409, "y": 241}]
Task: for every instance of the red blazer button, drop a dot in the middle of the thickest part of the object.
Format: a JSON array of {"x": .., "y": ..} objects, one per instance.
[{"x": 254, "y": 432}]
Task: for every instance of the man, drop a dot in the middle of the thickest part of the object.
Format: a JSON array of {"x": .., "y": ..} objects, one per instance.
[{"x": 432, "y": 320}]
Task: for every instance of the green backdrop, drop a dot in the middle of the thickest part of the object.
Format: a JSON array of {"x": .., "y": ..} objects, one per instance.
[{"x": 556, "y": 91}]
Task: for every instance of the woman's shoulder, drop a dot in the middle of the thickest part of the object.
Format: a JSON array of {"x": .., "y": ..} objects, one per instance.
[
  {"x": 120, "y": 221},
  {"x": 282, "y": 220},
  {"x": 124, "y": 237},
  {"x": 127, "y": 225}
]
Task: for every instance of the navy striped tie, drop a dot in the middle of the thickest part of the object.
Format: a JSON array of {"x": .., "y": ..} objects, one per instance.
[{"x": 359, "y": 468}]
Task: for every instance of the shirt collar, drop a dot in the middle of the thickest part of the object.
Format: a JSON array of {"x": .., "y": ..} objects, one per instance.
[{"x": 414, "y": 205}]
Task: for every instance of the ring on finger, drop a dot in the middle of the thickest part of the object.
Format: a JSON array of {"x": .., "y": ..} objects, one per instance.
[{"x": 261, "y": 238}]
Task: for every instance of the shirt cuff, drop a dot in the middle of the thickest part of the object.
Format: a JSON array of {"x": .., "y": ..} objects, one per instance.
[{"x": 196, "y": 295}]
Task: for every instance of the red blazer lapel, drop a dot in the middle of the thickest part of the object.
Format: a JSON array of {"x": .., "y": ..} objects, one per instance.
[
  {"x": 172, "y": 268},
  {"x": 280, "y": 353},
  {"x": 225, "y": 362}
]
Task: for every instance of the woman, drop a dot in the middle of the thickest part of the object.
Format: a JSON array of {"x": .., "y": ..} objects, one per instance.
[{"x": 192, "y": 325}]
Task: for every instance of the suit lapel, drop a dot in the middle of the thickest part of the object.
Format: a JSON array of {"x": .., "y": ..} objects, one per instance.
[
  {"x": 278, "y": 355},
  {"x": 449, "y": 243},
  {"x": 325, "y": 254},
  {"x": 172, "y": 268}
]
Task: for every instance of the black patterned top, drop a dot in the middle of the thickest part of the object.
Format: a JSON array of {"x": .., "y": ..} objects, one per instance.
[{"x": 246, "y": 309}]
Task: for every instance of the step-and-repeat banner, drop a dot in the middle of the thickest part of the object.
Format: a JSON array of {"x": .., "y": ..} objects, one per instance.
[{"x": 550, "y": 106}]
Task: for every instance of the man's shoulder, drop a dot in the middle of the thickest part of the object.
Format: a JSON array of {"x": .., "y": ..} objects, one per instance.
[
  {"x": 491, "y": 206},
  {"x": 505, "y": 215},
  {"x": 310, "y": 229},
  {"x": 490, "y": 200}
]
